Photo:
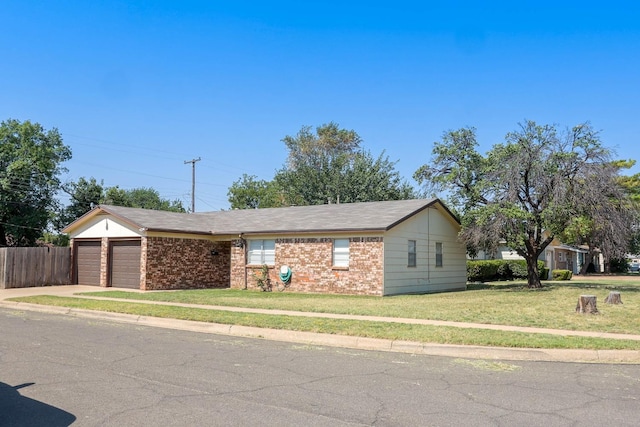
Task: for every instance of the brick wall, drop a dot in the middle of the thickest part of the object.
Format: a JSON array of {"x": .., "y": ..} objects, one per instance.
[
  {"x": 238, "y": 261},
  {"x": 177, "y": 263},
  {"x": 104, "y": 259},
  {"x": 311, "y": 261}
]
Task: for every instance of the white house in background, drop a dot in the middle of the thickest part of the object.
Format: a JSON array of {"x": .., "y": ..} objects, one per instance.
[{"x": 557, "y": 256}]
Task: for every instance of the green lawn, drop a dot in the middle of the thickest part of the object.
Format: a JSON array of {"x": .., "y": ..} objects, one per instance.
[
  {"x": 502, "y": 303},
  {"x": 505, "y": 303},
  {"x": 394, "y": 331}
]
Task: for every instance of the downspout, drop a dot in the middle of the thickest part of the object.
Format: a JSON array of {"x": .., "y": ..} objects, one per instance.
[
  {"x": 428, "y": 246},
  {"x": 244, "y": 260}
]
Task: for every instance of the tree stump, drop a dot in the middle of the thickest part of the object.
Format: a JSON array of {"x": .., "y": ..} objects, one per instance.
[
  {"x": 587, "y": 304},
  {"x": 613, "y": 298}
]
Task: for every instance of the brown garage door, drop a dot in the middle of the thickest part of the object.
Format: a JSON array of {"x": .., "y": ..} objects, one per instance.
[
  {"x": 125, "y": 264},
  {"x": 87, "y": 268}
]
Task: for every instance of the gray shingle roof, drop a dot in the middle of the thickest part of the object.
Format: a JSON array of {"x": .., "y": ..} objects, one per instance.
[{"x": 369, "y": 216}]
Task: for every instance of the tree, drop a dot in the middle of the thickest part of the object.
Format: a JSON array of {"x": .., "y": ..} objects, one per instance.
[
  {"x": 30, "y": 165},
  {"x": 83, "y": 195},
  {"x": 329, "y": 141},
  {"x": 631, "y": 184},
  {"x": 249, "y": 192},
  {"x": 605, "y": 216},
  {"x": 345, "y": 178},
  {"x": 524, "y": 192},
  {"x": 327, "y": 166},
  {"x": 145, "y": 198}
]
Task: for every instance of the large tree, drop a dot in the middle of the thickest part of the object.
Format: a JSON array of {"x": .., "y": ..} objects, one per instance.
[
  {"x": 83, "y": 195},
  {"x": 604, "y": 218},
  {"x": 524, "y": 192},
  {"x": 344, "y": 178},
  {"x": 328, "y": 141},
  {"x": 30, "y": 166},
  {"x": 146, "y": 198},
  {"x": 87, "y": 193},
  {"x": 631, "y": 185},
  {"x": 249, "y": 192},
  {"x": 325, "y": 166}
]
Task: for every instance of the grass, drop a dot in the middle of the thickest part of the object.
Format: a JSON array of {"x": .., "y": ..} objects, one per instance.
[
  {"x": 394, "y": 331},
  {"x": 501, "y": 303}
]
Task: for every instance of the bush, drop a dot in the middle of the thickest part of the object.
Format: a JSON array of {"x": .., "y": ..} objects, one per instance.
[
  {"x": 619, "y": 265},
  {"x": 518, "y": 269},
  {"x": 497, "y": 269},
  {"x": 561, "y": 274},
  {"x": 482, "y": 271},
  {"x": 544, "y": 273}
]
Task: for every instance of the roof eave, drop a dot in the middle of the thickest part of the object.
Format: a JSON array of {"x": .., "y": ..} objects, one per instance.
[
  {"x": 426, "y": 206},
  {"x": 176, "y": 231},
  {"x": 95, "y": 212},
  {"x": 303, "y": 231}
]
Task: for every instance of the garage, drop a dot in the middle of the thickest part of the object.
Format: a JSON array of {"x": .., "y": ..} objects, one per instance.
[
  {"x": 124, "y": 264},
  {"x": 87, "y": 270}
]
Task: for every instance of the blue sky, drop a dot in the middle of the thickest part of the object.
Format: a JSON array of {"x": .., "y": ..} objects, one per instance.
[{"x": 136, "y": 88}]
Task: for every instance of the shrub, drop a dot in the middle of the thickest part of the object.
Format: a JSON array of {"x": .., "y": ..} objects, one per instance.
[
  {"x": 482, "y": 271},
  {"x": 544, "y": 273},
  {"x": 497, "y": 269},
  {"x": 561, "y": 274},
  {"x": 263, "y": 281},
  {"x": 518, "y": 269},
  {"x": 619, "y": 265}
]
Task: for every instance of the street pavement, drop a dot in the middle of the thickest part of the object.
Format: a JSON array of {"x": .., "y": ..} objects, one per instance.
[
  {"x": 57, "y": 370},
  {"x": 480, "y": 352}
]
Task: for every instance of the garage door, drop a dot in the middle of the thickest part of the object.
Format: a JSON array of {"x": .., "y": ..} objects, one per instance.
[
  {"x": 125, "y": 264},
  {"x": 87, "y": 271}
]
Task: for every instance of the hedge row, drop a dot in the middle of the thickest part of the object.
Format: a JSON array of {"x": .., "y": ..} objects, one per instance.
[
  {"x": 498, "y": 269},
  {"x": 561, "y": 274}
]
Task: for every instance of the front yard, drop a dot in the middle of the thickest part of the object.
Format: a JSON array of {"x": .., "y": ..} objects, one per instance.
[{"x": 502, "y": 303}]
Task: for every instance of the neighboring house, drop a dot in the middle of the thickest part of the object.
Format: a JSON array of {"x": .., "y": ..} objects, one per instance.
[
  {"x": 374, "y": 248},
  {"x": 557, "y": 256}
]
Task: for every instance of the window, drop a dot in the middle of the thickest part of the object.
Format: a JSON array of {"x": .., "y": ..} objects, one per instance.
[
  {"x": 341, "y": 252},
  {"x": 262, "y": 252},
  {"x": 412, "y": 254},
  {"x": 438, "y": 254}
]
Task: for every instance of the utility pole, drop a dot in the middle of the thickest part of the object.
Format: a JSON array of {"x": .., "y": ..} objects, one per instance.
[{"x": 193, "y": 182}]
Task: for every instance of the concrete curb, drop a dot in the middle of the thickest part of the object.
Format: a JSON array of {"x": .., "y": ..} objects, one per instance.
[{"x": 359, "y": 343}]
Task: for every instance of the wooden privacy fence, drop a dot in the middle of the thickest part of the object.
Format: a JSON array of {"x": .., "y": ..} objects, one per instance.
[{"x": 28, "y": 267}]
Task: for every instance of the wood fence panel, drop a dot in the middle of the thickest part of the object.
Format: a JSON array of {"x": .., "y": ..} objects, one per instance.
[{"x": 29, "y": 267}]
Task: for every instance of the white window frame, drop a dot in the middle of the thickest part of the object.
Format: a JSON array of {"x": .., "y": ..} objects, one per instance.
[
  {"x": 341, "y": 253},
  {"x": 412, "y": 253},
  {"x": 439, "y": 254},
  {"x": 261, "y": 252}
]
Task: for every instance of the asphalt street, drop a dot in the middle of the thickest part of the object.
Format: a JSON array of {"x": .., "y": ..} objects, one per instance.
[{"x": 58, "y": 370}]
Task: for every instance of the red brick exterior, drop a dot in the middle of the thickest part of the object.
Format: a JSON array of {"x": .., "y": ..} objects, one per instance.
[
  {"x": 311, "y": 262},
  {"x": 238, "y": 262},
  {"x": 178, "y": 263},
  {"x": 104, "y": 262}
]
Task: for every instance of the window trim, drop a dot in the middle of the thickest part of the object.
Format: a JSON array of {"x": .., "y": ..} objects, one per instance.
[
  {"x": 267, "y": 255},
  {"x": 412, "y": 253},
  {"x": 335, "y": 251},
  {"x": 439, "y": 254}
]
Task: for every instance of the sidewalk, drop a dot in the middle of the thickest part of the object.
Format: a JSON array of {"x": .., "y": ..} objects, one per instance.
[{"x": 497, "y": 353}]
